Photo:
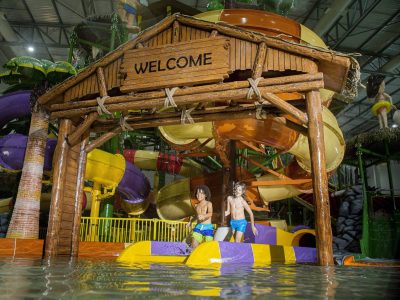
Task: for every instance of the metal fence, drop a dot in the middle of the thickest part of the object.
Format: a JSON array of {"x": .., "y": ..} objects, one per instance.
[{"x": 122, "y": 230}]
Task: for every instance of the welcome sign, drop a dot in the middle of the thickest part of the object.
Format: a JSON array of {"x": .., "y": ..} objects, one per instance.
[{"x": 181, "y": 64}]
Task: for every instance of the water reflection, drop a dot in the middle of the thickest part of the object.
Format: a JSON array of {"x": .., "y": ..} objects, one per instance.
[{"x": 88, "y": 279}]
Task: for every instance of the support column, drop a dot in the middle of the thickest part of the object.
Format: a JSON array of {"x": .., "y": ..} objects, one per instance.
[
  {"x": 59, "y": 171},
  {"x": 320, "y": 179},
  {"x": 229, "y": 175},
  {"x": 24, "y": 222},
  {"x": 79, "y": 197}
]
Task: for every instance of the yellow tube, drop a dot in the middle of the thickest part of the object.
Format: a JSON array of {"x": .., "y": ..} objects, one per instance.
[
  {"x": 186, "y": 134},
  {"x": 276, "y": 192},
  {"x": 174, "y": 201},
  {"x": 105, "y": 168},
  {"x": 334, "y": 144}
]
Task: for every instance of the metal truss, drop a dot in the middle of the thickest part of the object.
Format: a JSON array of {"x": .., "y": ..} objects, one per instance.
[{"x": 357, "y": 11}]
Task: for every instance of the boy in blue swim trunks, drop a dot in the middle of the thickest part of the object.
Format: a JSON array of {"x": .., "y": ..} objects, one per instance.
[
  {"x": 236, "y": 207},
  {"x": 204, "y": 230}
]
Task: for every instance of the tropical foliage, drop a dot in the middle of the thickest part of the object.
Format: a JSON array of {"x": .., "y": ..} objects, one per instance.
[{"x": 29, "y": 71}]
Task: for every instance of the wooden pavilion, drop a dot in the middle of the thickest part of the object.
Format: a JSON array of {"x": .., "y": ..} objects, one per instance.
[{"x": 185, "y": 63}]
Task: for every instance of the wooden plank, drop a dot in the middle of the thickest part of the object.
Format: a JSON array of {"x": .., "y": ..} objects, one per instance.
[
  {"x": 176, "y": 32},
  {"x": 249, "y": 62},
  {"x": 202, "y": 78},
  {"x": 185, "y": 63},
  {"x": 232, "y": 55},
  {"x": 281, "y": 61},
  {"x": 142, "y": 67},
  {"x": 293, "y": 62},
  {"x": 276, "y": 60},
  {"x": 298, "y": 64},
  {"x": 287, "y": 61}
]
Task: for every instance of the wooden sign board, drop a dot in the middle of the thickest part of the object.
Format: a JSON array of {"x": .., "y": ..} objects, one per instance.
[{"x": 181, "y": 64}]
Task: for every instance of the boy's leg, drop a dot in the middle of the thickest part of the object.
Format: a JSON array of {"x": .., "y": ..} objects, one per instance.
[
  {"x": 238, "y": 237},
  {"x": 197, "y": 238}
]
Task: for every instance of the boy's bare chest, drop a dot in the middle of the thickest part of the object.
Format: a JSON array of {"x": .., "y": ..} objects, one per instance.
[{"x": 201, "y": 208}]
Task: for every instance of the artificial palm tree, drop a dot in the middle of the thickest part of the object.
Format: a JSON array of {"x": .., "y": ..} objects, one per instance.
[{"x": 27, "y": 70}]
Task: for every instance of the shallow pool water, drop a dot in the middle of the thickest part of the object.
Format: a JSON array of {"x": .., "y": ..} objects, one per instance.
[{"x": 95, "y": 279}]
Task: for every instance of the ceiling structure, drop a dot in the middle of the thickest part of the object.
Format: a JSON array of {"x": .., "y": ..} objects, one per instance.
[{"x": 367, "y": 28}]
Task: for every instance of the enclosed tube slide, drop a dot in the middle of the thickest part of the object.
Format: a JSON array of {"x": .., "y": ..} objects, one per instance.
[
  {"x": 168, "y": 163},
  {"x": 271, "y": 132}
]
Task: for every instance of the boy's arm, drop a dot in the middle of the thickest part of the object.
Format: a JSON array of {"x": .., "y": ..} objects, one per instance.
[
  {"x": 228, "y": 206},
  {"x": 191, "y": 218},
  {"x": 250, "y": 212}
]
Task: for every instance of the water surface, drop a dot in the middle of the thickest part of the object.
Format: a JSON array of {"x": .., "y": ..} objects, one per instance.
[{"x": 99, "y": 279}]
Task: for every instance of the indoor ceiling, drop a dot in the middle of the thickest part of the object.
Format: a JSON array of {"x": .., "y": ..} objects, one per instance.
[{"x": 367, "y": 28}]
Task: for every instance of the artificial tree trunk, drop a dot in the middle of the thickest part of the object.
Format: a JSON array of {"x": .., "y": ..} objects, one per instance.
[{"x": 25, "y": 218}]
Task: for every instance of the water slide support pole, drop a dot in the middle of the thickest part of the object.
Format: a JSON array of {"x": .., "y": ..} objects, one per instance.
[
  {"x": 94, "y": 212},
  {"x": 320, "y": 179}
]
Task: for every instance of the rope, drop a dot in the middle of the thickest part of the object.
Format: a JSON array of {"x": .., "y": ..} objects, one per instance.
[
  {"x": 169, "y": 100},
  {"x": 186, "y": 116},
  {"x": 101, "y": 109},
  {"x": 124, "y": 125},
  {"x": 254, "y": 88}
]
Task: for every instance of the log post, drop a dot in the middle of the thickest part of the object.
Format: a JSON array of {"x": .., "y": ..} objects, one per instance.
[
  {"x": 320, "y": 179},
  {"x": 59, "y": 171},
  {"x": 79, "y": 197},
  {"x": 229, "y": 176}
]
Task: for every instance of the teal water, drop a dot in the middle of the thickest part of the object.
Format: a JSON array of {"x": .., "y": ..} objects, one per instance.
[{"x": 91, "y": 279}]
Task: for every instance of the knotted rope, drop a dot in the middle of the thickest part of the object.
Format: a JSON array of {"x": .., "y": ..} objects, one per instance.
[
  {"x": 169, "y": 100},
  {"x": 186, "y": 116},
  {"x": 101, "y": 109},
  {"x": 254, "y": 89},
  {"x": 124, "y": 124}
]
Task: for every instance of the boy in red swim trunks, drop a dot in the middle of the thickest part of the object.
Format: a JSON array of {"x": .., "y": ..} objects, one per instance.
[
  {"x": 236, "y": 207},
  {"x": 204, "y": 230}
]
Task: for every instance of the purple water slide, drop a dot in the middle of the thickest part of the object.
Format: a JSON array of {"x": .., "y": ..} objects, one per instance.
[
  {"x": 12, "y": 151},
  {"x": 134, "y": 186},
  {"x": 14, "y": 105}
]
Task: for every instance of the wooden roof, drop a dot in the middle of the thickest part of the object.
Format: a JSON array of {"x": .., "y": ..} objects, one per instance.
[{"x": 338, "y": 69}]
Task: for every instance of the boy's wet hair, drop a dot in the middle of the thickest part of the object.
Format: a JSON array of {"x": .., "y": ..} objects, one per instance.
[
  {"x": 239, "y": 184},
  {"x": 206, "y": 191}
]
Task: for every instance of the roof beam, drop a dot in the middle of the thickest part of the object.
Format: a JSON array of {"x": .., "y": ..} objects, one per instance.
[
  {"x": 332, "y": 14},
  {"x": 346, "y": 24}
]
